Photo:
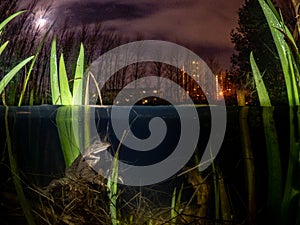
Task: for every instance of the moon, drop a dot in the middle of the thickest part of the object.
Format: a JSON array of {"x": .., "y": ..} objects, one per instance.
[{"x": 41, "y": 22}]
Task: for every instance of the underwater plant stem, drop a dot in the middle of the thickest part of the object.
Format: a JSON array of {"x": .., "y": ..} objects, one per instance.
[
  {"x": 175, "y": 204},
  {"x": 289, "y": 191},
  {"x": 15, "y": 175},
  {"x": 66, "y": 134},
  {"x": 274, "y": 164},
  {"x": 112, "y": 185},
  {"x": 216, "y": 191},
  {"x": 249, "y": 163}
]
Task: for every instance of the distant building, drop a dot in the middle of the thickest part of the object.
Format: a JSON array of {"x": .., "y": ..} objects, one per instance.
[{"x": 226, "y": 87}]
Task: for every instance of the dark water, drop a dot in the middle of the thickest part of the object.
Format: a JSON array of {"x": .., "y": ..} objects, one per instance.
[{"x": 36, "y": 145}]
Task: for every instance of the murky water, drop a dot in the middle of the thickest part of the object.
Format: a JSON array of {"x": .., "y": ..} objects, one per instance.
[{"x": 36, "y": 145}]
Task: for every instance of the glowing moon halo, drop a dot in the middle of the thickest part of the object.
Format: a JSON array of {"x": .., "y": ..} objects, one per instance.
[{"x": 41, "y": 22}]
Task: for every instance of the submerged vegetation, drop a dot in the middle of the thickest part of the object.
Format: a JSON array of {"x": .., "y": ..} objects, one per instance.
[{"x": 82, "y": 196}]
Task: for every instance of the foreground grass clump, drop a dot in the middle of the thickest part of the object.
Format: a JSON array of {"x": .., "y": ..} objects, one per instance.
[
  {"x": 10, "y": 75},
  {"x": 282, "y": 196}
]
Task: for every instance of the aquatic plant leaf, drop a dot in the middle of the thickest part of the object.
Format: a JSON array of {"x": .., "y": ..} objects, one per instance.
[
  {"x": 78, "y": 78},
  {"x": 260, "y": 86},
  {"x": 65, "y": 94},
  {"x": 13, "y": 72}
]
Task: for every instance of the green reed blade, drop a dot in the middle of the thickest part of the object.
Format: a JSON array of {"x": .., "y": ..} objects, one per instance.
[
  {"x": 78, "y": 78},
  {"x": 6, "y": 21},
  {"x": 13, "y": 72},
  {"x": 31, "y": 97},
  {"x": 272, "y": 7},
  {"x": 55, "y": 92},
  {"x": 284, "y": 51},
  {"x": 3, "y": 47},
  {"x": 260, "y": 86},
  {"x": 65, "y": 94}
]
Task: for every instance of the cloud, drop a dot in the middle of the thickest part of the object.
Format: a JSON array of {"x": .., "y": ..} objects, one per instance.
[
  {"x": 193, "y": 23},
  {"x": 202, "y": 25},
  {"x": 88, "y": 12}
]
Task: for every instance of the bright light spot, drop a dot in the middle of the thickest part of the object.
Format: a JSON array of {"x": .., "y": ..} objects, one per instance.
[
  {"x": 41, "y": 22},
  {"x": 155, "y": 91}
]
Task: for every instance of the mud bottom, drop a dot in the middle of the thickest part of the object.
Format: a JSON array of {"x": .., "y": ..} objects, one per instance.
[{"x": 81, "y": 197}]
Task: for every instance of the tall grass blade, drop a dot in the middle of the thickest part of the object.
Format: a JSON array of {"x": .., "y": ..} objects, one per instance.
[
  {"x": 31, "y": 66},
  {"x": 31, "y": 98},
  {"x": 55, "y": 92},
  {"x": 65, "y": 94},
  {"x": 10, "y": 18},
  {"x": 284, "y": 51},
  {"x": 13, "y": 72},
  {"x": 272, "y": 7},
  {"x": 3, "y": 47},
  {"x": 78, "y": 78},
  {"x": 15, "y": 175},
  {"x": 260, "y": 86}
]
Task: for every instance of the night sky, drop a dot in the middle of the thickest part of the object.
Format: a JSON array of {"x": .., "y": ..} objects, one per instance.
[{"x": 201, "y": 25}]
